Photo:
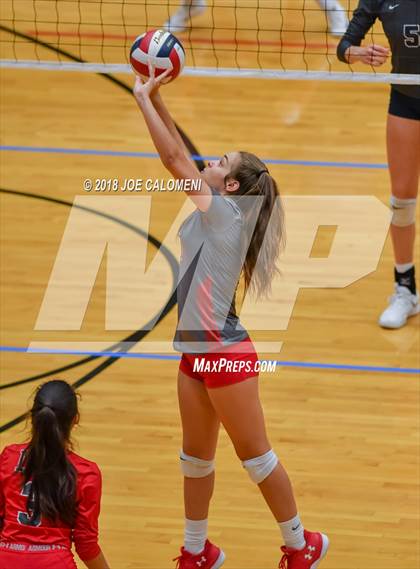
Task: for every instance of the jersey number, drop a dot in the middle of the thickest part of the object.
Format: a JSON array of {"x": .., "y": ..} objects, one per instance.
[
  {"x": 412, "y": 35},
  {"x": 23, "y": 517}
]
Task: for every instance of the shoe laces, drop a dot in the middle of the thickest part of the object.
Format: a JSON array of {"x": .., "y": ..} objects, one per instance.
[
  {"x": 185, "y": 555},
  {"x": 402, "y": 296},
  {"x": 178, "y": 560},
  {"x": 284, "y": 560}
]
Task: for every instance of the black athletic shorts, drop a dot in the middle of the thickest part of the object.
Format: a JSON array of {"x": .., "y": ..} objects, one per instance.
[{"x": 404, "y": 106}]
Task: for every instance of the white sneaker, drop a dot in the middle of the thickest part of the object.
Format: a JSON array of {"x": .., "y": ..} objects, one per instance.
[
  {"x": 402, "y": 305},
  {"x": 188, "y": 9},
  {"x": 337, "y": 20}
]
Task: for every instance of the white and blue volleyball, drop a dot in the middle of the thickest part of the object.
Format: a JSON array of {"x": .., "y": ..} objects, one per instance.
[{"x": 164, "y": 51}]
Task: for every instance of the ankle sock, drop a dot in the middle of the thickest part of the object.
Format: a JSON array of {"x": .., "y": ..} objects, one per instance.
[
  {"x": 195, "y": 535},
  {"x": 292, "y": 532},
  {"x": 406, "y": 276}
]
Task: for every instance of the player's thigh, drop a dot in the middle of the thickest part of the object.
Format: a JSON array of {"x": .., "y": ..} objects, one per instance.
[
  {"x": 200, "y": 423},
  {"x": 239, "y": 409},
  {"x": 403, "y": 146}
]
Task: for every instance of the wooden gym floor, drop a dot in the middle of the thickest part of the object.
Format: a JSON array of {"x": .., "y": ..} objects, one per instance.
[{"x": 348, "y": 438}]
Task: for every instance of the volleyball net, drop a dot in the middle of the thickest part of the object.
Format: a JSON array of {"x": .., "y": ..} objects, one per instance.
[{"x": 283, "y": 39}]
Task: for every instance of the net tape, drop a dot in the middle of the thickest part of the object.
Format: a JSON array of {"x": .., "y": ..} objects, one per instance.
[{"x": 398, "y": 79}]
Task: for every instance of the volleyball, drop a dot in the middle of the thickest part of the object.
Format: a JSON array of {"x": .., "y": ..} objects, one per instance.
[{"x": 162, "y": 49}]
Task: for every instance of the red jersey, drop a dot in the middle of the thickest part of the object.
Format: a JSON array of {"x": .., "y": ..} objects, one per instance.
[{"x": 17, "y": 527}]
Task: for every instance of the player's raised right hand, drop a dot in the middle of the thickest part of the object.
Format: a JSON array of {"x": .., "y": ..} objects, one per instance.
[{"x": 146, "y": 87}]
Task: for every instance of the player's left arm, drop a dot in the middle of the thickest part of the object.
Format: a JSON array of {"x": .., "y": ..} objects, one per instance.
[
  {"x": 349, "y": 49},
  {"x": 98, "y": 562},
  {"x": 85, "y": 530},
  {"x": 1, "y": 510},
  {"x": 171, "y": 154}
]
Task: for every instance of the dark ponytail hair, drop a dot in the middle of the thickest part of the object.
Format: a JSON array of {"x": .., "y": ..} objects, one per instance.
[
  {"x": 45, "y": 463},
  {"x": 268, "y": 235}
]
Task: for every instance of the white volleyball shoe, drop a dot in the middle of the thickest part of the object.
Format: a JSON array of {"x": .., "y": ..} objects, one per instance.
[{"x": 402, "y": 304}]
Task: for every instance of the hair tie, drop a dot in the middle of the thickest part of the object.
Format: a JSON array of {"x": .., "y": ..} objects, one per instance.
[{"x": 262, "y": 172}]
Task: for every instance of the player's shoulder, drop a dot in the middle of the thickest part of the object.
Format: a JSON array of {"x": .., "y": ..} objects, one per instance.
[
  {"x": 372, "y": 6},
  {"x": 9, "y": 458},
  {"x": 10, "y": 451},
  {"x": 377, "y": 6},
  {"x": 225, "y": 202},
  {"x": 233, "y": 202},
  {"x": 83, "y": 465}
]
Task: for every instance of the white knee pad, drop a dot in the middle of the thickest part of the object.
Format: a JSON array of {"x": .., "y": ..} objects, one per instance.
[
  {"x": 262, "y": 466},
  {"x": 193, "y": 467},
  {"x": 403, "y": 211}
]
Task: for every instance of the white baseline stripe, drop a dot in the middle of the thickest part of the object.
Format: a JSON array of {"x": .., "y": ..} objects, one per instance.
[{"x": 221, "y": 72}]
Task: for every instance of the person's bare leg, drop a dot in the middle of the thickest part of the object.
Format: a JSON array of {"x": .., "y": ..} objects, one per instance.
[
  {"x": 336, "y": 16},
  {"x": 239, "y": 409},
  {"x": 403, "y": 146},
  {"x": 200, "y": 427},
  {"x": 181, "y": 18}
]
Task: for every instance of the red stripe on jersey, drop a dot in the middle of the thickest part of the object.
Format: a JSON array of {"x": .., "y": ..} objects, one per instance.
[{"x": 207, "y": 313}]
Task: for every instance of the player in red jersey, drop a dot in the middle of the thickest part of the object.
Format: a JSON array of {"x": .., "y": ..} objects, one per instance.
[{"x": 49, "y": 496}]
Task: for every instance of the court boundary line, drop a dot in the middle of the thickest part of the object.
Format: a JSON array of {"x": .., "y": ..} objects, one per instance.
[
  {"x": 198, "y": 157},
  {"x": 176, "y": 357}
]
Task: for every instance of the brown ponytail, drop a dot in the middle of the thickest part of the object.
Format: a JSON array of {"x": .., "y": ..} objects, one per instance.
[
  {"x": 268, "y": 235},
  {"x": 51, "y": 476}
]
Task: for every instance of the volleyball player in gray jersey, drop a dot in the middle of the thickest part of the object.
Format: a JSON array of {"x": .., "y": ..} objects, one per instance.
[
  {"x": 401, "y": 22},
  {"x": 222, "y": 239}
]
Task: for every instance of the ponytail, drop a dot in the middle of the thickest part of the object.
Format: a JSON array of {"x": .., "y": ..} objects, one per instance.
[
  {"x": 46, "y": 466},
  {"x": 268, "y": 234}
]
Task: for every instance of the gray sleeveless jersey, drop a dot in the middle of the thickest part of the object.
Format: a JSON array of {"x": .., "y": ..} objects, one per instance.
[{"x": 213, "y": 251}]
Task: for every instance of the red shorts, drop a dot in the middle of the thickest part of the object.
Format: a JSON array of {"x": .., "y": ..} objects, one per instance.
[
  {"x": 25, "y": 559},
  {"x": 227, "y": 366}
]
